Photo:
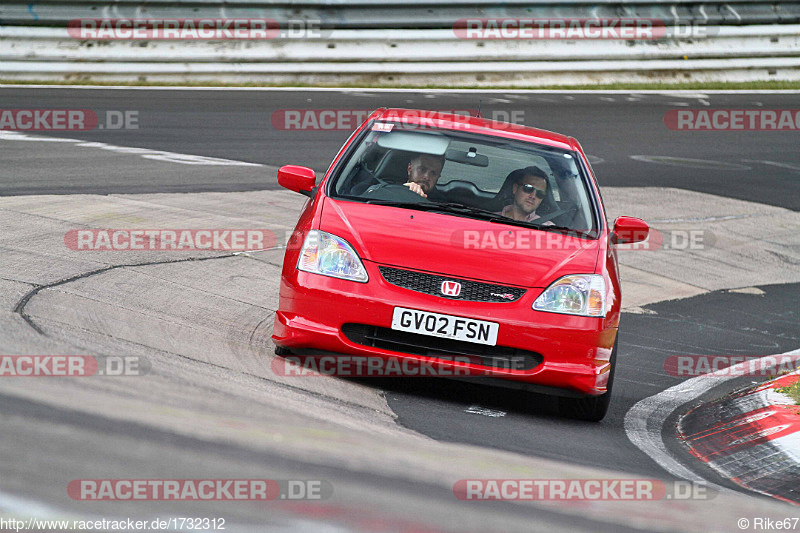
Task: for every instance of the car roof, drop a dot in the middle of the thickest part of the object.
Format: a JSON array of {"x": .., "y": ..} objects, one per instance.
[{"x": 424, "y": 117}]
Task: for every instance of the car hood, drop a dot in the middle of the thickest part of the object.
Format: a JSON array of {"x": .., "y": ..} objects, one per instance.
[{"x": 458, "y": 246}]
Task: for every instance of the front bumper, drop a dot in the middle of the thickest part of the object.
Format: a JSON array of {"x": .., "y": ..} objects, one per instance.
[{"x": 574, "y": 351}]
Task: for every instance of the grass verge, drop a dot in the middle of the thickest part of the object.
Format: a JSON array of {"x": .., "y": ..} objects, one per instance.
[{"x": 792, "y": 391}]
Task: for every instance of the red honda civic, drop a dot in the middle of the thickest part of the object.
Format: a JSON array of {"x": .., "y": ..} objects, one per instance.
[{"x": 474, "y": 245}]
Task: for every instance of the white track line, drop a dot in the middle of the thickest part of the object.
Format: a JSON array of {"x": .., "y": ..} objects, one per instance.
[
  {"x": 645, "y": 420},
  {"x": 146, "y": 153},
  {"x": 478, "y": 410}
]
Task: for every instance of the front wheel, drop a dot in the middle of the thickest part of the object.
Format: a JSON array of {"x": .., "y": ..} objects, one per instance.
[
  {"x": 282, "y": 351},
  {"x": 593, "y": 408}
]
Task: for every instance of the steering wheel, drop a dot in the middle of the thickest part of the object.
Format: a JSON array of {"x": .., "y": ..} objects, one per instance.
[
  {"x": 394, "y": 192},
  {"x": 557, "y": 213}
]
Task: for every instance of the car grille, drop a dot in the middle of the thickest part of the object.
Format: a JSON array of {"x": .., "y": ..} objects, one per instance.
[
  {"x": 472, "y": 291},
  {"x": 414, "y": 343}
]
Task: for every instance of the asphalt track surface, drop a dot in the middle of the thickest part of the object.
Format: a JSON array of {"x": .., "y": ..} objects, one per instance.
[
  {"x": 611, "y": 127},
  {"x": 756, "y": 166},
  {"x": 720, "y": 323}
]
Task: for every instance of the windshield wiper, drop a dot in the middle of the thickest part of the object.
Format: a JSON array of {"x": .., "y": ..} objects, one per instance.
[
  {"x": 444, "y": 207},
  {"x": 483, "y": 214},
  {"x": 521, "y": 223},
  {"x": 461, "y": 208},
  {"x": 466, "y": 210},
  {"x": 572, "y": 232},
  {"x": 392, "y": 203}
]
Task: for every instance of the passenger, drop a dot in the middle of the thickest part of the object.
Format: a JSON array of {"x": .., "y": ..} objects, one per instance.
[{"x": 529, "y": 189}]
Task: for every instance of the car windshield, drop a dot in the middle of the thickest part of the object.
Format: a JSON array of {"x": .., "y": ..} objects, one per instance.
[{"x": 470, "y": 175}]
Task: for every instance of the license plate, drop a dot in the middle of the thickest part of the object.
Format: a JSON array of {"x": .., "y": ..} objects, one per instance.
[{"x": 445, "y": 326}]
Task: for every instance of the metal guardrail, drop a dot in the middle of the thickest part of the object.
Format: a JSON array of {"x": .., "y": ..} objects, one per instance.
[
  {"x": 413, "y": 57},
  {"x": 405, "y": 42},
  {"x": 477, "y": 74},
  {"x": 395, "y": 46},
  {"x": 365, "y": 14}
]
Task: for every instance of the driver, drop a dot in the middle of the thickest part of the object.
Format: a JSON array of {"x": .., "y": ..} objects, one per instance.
[
  {"x": 423, "y": 173},
  {"x": 529, "y": 189}
]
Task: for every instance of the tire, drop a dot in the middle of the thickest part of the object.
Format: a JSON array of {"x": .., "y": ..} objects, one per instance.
[
  {"x": 282, "y": 351},
  {"x": 593, "y": 408}
]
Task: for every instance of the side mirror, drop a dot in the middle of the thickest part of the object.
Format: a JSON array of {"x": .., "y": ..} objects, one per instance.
[
  {"x": 297, "y": 179},
  {"x": 628, "y": 230}
]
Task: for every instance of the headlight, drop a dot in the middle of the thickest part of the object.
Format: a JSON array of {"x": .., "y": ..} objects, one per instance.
[
  {"x": 330, "y": 255},
  {"x": 583, "y": 294}
]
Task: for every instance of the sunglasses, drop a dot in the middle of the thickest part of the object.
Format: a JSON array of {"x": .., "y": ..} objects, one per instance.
[{"x": 527, "y": 188}]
